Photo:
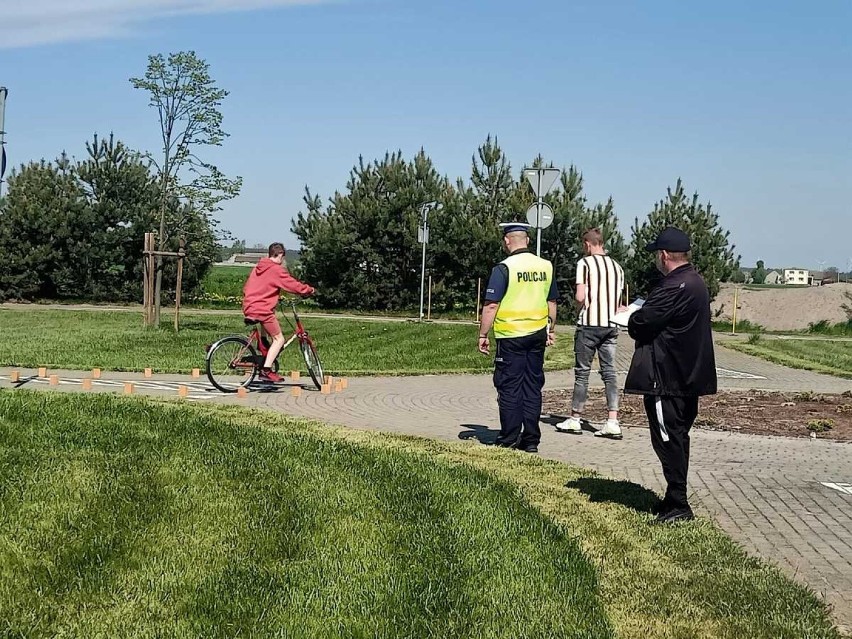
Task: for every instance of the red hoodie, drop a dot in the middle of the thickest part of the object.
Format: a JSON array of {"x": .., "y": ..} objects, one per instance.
[{"x": 267, "y": 279}]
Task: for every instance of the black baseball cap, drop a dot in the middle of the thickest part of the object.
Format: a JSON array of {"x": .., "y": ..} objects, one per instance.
[{"x": 671, "y": 239}]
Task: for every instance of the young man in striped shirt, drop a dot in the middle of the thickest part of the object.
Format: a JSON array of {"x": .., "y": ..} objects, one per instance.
[{"x": 600, "y": 282}]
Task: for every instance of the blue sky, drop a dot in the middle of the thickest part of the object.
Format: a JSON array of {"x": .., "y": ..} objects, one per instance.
[{"x": 750, "y": 103}]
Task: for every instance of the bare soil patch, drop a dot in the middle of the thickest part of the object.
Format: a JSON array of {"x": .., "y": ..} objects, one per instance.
[
  {"x": 807, "y": 414},
  {"x": 784, "y": 309}
]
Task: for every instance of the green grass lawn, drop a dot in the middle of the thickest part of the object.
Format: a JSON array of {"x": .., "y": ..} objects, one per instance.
[
  {"x": 134, "y": 518},
  {"x": 223, "y": 286},
  {"x": 824, "y": 356},
  {"x": 116, "y": 341},
  {"x": 227, "y": 280}
]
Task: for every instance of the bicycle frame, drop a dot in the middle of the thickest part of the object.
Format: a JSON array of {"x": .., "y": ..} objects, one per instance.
[{"x": 256, "y": 335}]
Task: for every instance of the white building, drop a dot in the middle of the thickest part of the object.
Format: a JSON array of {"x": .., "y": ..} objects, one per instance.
[
  {"x": 798, "y": 276},
  {"x": 772, "y": 277}
]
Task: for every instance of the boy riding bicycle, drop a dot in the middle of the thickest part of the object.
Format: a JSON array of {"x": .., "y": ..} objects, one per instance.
[{"x": 260, "y": 297}]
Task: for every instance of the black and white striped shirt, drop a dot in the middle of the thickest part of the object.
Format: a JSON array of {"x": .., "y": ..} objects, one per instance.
[{"x": 604, "y": 280}]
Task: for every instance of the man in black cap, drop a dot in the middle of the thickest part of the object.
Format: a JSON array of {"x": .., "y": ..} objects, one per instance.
[
  {"x": 673, "y": 363},
  {"x": 520, "y": 303}
]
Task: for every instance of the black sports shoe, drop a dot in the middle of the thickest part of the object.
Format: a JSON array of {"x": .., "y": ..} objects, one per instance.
[
  {"x": 502, "y": 443},
  {"x": 660, "y": 507},
  {"x": 529, "y": 448},
  {"x": 674, "y": 515}
]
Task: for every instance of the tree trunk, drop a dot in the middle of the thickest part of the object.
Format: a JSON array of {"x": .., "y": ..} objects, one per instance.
[
  {"x": 158, "y": 286},
  {"x": 161, "y": 242}
]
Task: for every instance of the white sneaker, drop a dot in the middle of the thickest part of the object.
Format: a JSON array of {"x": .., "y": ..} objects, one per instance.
[
  {"x": 611, "y": 429},
  {"x": 571, "y": 425}
]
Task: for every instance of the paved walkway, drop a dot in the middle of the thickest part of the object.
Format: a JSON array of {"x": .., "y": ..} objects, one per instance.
[{"x": 768, "y": 493}]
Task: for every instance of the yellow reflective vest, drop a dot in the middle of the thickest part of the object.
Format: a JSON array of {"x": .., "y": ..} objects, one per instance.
[{"x": 523, "y": 309}]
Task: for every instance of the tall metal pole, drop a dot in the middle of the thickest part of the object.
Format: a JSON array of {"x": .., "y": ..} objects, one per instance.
[
  {"x": 3, "y": 93},
  {"x": 538, "y": 216},
  {"x": 424, "y": 212},
  {"x": 424, "y": 238}
]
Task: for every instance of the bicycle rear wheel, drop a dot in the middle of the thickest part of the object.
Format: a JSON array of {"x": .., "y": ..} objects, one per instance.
[
  {"x": 231, "y": 363},
  {"x": 312, "y": 361}
]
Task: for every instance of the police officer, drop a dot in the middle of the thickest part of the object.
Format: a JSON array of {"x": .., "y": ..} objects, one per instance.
[{"x": 520, "y": 304}]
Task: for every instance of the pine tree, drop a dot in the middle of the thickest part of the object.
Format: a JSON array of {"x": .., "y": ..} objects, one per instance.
[
  {"x": 758, "y": 275},
  {"x": 562, "y": 241},
  {"x": 712, "y": 252},
  {"x": 73, "y": 229},
  {"x": 467, "y": 236},
  {"x": 362, "y": 250},
  {"x": 41, "y": 231}
]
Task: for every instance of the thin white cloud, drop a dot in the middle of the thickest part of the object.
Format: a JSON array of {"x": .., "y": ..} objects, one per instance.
[{"x": 32, "y": 22}]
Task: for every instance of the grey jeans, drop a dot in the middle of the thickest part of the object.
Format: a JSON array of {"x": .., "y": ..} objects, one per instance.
[{"x": 587, "y": 341}]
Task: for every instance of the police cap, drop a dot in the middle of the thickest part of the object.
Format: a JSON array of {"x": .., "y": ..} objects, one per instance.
[{"x": 513, "y": 227}]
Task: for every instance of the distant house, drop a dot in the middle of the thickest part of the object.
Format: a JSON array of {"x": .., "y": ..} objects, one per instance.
[
  {"x": 797, "y": 276},
  {"x": 773, "y": 277},
  {"x": 254, "y": 255},
  {"x": 819, "y": 278},
  {"x": 250, "y": 256}
]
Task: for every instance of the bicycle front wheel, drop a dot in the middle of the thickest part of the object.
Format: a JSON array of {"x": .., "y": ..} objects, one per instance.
[
  {"x": 312, "y": 361},
  {"x": 231, "y": 363}
]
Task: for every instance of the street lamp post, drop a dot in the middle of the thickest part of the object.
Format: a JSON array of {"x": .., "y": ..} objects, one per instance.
[
  {"x": 423, "y": 237},
  {"x": 3, "y": 93}
]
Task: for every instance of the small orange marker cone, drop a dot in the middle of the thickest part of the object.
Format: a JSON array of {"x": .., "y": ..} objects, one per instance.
[
  {"x": 196, "y": 372},
  {"x": 296, "y": 391},
  {"x": 295, "y": 375},
  {"x": 54, "y": 380},
  {"x": 96, "y": 373},
  {"x": 183, "y": 391},
  {"x": 242, "y": 392},
  {"x": 87, "y": 384},
  {"x": 42, "y": 372},
  {"x": 345, "y": 382},
  {"x": 325, "y": 389},
  {"x": 148, "y": 372},
  {"x": 128, "y": 388},
  {"x": 338, "y": 387},
  {"x": 329, "y": 379},
  {"x": 15, "y": 376}
]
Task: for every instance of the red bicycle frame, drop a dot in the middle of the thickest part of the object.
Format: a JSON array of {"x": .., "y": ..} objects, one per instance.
[{"x": 256, "y": 339}]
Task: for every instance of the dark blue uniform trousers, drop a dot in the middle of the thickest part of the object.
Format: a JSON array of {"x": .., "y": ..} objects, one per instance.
[{"x": 519, "y": 378}]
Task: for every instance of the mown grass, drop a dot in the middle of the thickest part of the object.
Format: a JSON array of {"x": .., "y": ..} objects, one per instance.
[
  {"x": 140, "y": 519},
  {"x": 116, "y": 341},
  {"x": 223, "y": 286},
  {"x": 823, "y": 356}
]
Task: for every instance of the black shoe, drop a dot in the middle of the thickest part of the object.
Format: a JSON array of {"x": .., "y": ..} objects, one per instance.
[
  {"x": 675, "y": 515},
  {"x": 502, "y": 443},
  {"x": 529, "y": 448},
  {"x": 660, "y": 507}
]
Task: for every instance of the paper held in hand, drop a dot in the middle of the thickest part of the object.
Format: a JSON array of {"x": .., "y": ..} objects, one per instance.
[{"x": 621, "y": 319}]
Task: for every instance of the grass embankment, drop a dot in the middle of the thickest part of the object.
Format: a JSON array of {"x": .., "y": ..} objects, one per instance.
[
  {"x": 125, "y": 517},
  {"x": 833, "y": 357},
  {"x": 33, "y": 337}
]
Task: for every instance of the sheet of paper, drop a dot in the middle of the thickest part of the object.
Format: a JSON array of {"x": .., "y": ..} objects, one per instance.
[{"x": 621, "y": 319}]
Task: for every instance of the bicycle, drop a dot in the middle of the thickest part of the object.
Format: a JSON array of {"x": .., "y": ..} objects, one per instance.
[{"x": 235, "y": 361}]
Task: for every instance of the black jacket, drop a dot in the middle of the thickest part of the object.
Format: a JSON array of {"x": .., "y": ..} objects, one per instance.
[{"x": 674, "y": 340}]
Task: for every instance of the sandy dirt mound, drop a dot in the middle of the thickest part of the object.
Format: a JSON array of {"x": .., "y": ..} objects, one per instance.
[{"x": 782, "y": 309}]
